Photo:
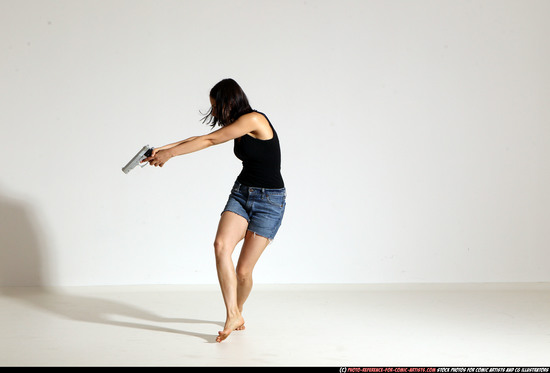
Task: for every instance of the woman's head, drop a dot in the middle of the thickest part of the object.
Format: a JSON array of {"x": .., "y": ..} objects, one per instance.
[{"x": 228, "y": 103}]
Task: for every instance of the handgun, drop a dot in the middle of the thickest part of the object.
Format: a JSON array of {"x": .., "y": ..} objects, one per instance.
[{"x": 145, "y": 152}]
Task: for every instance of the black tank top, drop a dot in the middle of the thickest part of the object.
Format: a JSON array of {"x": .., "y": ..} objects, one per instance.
[{"x": 261, "y": 160}]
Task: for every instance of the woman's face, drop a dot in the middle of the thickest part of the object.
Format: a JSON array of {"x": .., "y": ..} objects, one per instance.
[{"x": 213, "y": 103}]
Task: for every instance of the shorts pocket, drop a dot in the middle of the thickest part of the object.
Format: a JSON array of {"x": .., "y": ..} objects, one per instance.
[{"x": 276, "y": 199}]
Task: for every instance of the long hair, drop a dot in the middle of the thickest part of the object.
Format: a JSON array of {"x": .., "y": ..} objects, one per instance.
[{"x": 230, "y": 103}]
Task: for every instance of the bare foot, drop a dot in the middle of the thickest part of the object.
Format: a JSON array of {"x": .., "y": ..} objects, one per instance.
[
  {"x": 242, "y": 326},
  {"x": 230, "y": 325}
]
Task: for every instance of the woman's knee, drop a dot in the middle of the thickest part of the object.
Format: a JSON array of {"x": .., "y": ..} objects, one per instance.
[
  {"x": 244, "y": 273},
  {"x": 222, "y": 248}
]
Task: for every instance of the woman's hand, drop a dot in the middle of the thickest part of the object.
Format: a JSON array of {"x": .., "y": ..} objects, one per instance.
[{"x": 159, "y": 157}]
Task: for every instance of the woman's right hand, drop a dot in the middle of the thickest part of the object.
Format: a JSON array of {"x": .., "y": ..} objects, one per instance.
[
  {"x": 159, "y": 157},
  {"x": 153, "y": 153}
]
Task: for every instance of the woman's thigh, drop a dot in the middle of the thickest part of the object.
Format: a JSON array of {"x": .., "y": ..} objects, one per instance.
[
  {"x": 253, "y": 247},
  {"x": 231, "y": 230}
]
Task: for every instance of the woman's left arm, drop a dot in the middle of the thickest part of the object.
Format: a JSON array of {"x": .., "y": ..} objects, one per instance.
[{"x": 245, "y": 124}]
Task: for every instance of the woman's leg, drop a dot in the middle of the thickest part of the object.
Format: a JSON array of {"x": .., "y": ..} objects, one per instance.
[
  {"x": 253, "y": 247},
  {"x": 231, "y": 230}
]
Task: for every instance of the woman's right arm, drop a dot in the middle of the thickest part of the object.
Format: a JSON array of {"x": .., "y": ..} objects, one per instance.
[{"x": 245, "y": 124}]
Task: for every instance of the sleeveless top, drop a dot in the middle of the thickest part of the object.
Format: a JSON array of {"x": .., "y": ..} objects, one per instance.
[{"x": 261, "y": 160}]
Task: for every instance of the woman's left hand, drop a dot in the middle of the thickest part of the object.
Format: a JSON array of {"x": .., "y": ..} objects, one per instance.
[{"x": 158, "y": 157}]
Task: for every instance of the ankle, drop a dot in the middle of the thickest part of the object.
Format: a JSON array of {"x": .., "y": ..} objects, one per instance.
[{"x": 233, "y": 313}]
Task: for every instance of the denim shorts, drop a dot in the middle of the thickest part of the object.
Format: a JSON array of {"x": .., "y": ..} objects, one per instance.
[{"x": 262, "y": 208}]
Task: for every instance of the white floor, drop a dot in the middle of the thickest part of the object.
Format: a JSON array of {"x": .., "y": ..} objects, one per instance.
[{"x": 287, "y": 325}]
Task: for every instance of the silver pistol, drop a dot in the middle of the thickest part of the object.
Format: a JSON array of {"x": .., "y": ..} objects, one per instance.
[{"x": 145, "y": 152}]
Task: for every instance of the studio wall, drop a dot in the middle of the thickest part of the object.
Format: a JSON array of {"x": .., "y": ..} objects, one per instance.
[{"x": 414, "y": 138}]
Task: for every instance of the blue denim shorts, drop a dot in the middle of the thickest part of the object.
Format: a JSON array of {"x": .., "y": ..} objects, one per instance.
[{"x": 262, "y": 208}]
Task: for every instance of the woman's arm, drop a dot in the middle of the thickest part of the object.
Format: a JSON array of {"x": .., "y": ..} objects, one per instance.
[
  {"x": 245, "y": 124},
  {"x": 175, "y": 144}
]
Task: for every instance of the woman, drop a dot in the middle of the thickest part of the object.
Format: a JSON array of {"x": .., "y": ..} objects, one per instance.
[{"x": 255, "y": 208}]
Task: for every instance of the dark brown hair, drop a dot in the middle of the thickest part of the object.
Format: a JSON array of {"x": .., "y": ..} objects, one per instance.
[{"x": 230, "y": 103}]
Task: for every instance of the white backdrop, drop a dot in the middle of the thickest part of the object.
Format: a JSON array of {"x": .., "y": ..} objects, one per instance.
[{"x": 415, "y": 138}]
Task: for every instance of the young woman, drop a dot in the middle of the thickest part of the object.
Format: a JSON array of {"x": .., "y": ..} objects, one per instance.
[{"x": 255, "y": 208}]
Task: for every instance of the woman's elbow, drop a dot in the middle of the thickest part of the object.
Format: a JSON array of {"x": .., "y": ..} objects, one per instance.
[
  {"x": 214, "y": 140},
  {"x": 211, "y": 142}
]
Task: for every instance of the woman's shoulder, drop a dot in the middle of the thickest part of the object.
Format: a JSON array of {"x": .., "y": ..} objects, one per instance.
[
  {"x": 255, "y": 116},
  {"x": 262, "y": 126}
]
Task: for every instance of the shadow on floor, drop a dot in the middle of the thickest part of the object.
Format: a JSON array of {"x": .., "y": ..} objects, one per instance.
[
  {"x": 23, "y": 268},
  {"x": 100, "y": 311}
]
